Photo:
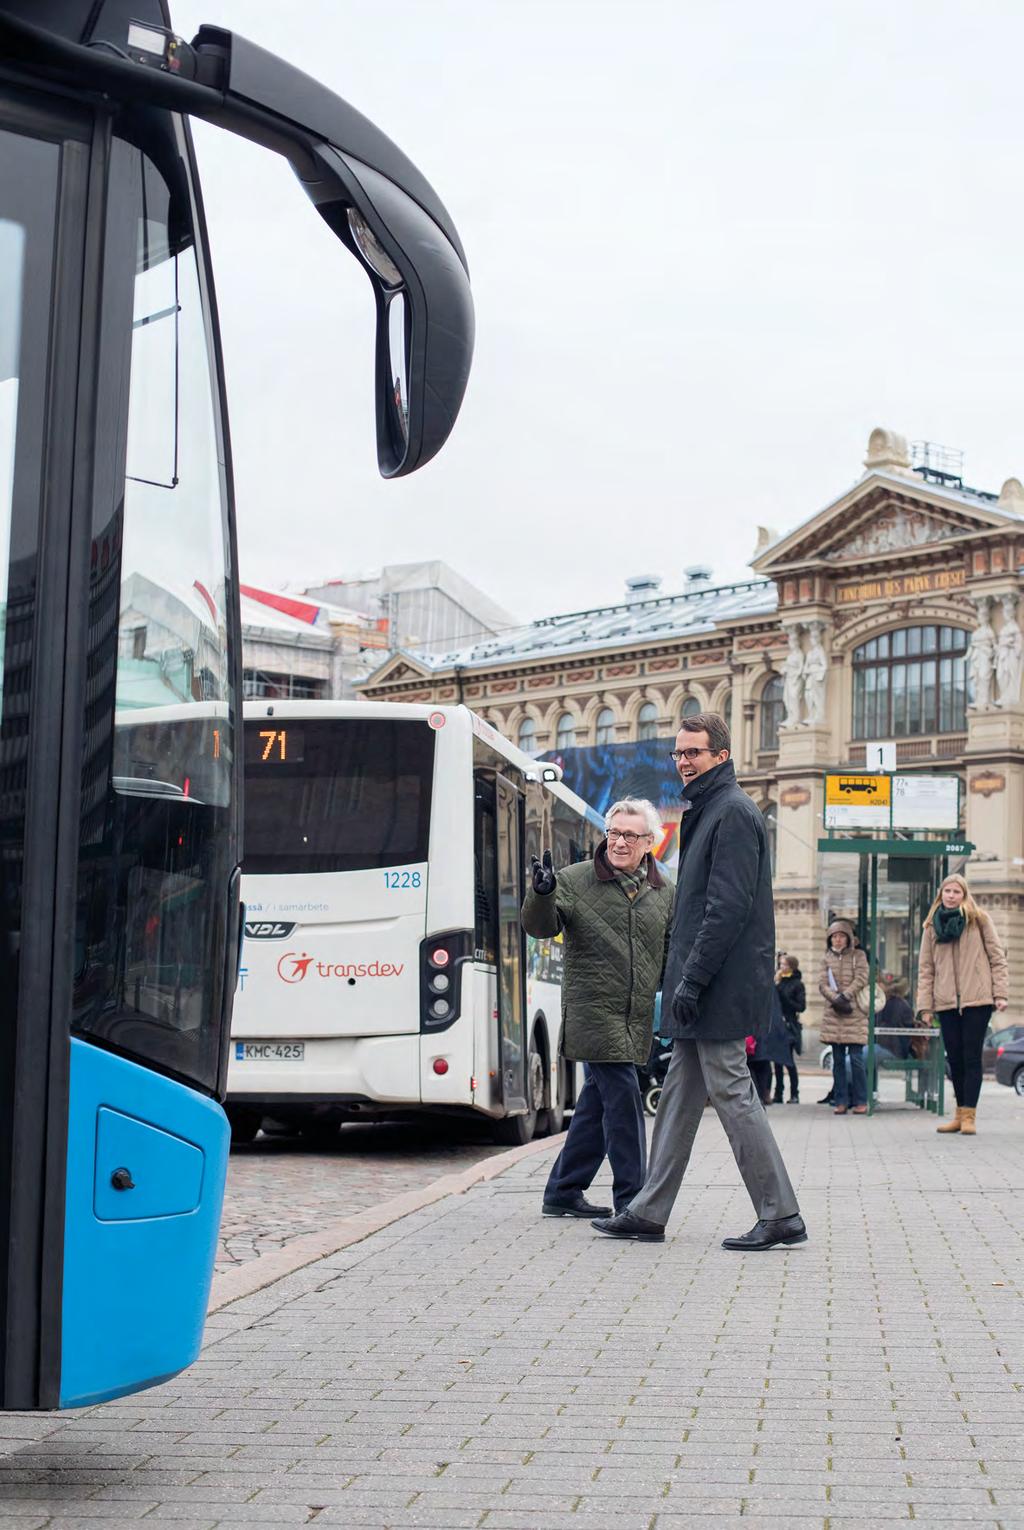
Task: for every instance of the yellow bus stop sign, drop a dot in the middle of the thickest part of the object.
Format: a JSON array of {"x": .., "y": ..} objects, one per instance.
[{"x": 857, "y": 801}]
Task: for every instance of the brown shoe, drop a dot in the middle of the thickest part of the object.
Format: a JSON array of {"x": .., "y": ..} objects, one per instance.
[
  {"x": 967, "y": 1127},
  {"x": 840, "y": 1110},
  {"x": 955, "y": 1125},
  {"x": 860, "y": 1110}
]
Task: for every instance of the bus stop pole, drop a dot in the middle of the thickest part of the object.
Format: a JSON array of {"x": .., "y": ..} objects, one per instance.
[{"x": 872, "y": 971}]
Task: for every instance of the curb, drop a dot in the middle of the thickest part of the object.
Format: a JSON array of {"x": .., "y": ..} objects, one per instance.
[{"x": 245, "y": 1279}]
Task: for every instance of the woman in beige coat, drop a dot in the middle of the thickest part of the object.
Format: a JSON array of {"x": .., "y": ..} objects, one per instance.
[
  {"x": 844, "y": 972},
  {"x": 961, "y": 977}
]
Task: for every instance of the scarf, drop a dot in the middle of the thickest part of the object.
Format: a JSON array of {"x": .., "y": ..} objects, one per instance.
[
  {"x": 632, "y": 882},
  {"x": 948, "y": 923}
]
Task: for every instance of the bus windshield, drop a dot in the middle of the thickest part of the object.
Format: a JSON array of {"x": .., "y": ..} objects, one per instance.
[{"x": 336, "y": 794}]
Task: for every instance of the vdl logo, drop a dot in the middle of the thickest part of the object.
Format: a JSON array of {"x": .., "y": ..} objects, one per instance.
[
  {"x": 267, "y": 929},
  {"x": 292, "y": 968}
]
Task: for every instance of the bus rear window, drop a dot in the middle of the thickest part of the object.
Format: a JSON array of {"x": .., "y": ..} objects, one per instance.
[{"x": 336, "y": 794}]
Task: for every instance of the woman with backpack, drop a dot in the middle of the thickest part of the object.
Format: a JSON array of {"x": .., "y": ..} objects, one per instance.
[
  {"x": 843, "y": 976},
  {"x": 789, "y": 986},
  {"x": 961, "y": 977}
]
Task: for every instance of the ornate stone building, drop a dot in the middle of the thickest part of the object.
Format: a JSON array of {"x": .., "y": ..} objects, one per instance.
[{"x": 890, "y": 614}]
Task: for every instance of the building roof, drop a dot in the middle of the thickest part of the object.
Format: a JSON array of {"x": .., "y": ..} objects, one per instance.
[{"x": 696, "y": 610}]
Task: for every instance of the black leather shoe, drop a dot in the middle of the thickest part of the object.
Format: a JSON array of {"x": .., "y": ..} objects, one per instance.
[
  {"x": 827, "y": 1099},
  {"x": 770, "y": 1235},
  {"x": 580, "y": 1207},
  {"x": 625, "y": 1225}
]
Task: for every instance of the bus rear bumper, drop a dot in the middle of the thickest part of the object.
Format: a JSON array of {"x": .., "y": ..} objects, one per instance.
[{"x": 354, "y": 1070}]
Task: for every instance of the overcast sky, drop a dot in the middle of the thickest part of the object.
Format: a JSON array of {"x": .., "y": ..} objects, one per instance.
[{"x": 712, "y": 245}]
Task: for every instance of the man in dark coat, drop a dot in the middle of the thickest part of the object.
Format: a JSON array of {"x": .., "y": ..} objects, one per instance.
[
  {"x": 720, "y": 975},
  {"x": 614, "y": 915}
]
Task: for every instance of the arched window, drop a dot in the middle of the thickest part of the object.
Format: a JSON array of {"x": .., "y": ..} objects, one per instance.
[
  {"x": 647, "y": 721},
  {"x": 772, "y": 712},
  {"x": 605, "y": 730},
  {"x": 565, "y": 736},
  {"x": 528, "y": 735},
  {"x": 910, "y": 682},
  {"x": 691, "y": 706},
  {"x": 725, "y": 710}
]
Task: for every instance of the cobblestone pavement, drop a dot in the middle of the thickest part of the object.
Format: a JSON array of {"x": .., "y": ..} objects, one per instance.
[
  {"x": 476, "y": 1365},
  {"x": 281, "y": 1188}
]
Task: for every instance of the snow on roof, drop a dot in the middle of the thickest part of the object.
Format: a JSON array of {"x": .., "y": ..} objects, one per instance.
[{"x": 664, "y": 617}]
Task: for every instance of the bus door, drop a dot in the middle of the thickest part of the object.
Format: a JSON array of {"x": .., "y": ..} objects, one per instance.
[{"x": 512, "y": 1038}]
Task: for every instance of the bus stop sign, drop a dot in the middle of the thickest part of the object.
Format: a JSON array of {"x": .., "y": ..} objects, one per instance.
[{"x": 858, "y": 801}]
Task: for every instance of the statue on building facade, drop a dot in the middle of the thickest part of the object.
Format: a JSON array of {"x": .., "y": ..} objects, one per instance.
[
  {"x": 792, "y": 678},
  {"x": 815, "y": 675},
  {"x": 1009, "y": 653},
  {"x": 981, "y": 655}
]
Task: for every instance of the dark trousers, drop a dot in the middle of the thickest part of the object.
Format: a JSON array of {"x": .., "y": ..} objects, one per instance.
[
  {"x": 794, "y": 1081},
  {"x": 608, "y": 1121},
  {"x": 761, "y": 1073},
  {"x": 963, "y": 1034}
]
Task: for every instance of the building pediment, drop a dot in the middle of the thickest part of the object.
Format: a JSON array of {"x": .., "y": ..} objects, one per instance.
[
  {"x": 879, "y": 519},
  {"x": 397, "y": 667}
]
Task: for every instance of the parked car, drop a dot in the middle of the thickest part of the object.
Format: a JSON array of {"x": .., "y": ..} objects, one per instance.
[
  {"x": 995, "y": 1041},
  {"x": 1010, "y": 1065}
]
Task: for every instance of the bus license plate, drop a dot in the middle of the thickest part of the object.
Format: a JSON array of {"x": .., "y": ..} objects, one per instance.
[{"x": 270, "y": 1051}]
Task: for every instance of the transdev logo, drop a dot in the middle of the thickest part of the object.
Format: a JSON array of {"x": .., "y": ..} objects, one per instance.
[{"x": 294, "y": 967}]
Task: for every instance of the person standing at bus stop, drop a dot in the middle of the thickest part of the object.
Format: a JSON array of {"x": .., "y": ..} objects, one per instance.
[
  {"x": 614, "y": 914},
  {"x": 844, "y": 1026},
  {"x": 961, "y": 977},
  {"x": 719, "y": 974}
]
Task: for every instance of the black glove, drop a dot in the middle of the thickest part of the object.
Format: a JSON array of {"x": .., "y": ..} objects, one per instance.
[
  {"x": 842, "y": 1005},
  {"x": 544, "y": 879},
  {"x": 685, "y": 1001}
]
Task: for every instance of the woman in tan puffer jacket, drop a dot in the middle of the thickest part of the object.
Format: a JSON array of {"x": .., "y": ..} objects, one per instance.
[
  {"x": 844, "y": 972},
  {"x": 961, "y": 977}
]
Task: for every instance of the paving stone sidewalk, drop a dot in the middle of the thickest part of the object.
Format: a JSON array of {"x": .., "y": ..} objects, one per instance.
[
  {"x": 280, "y": 1189},
  {"x": 475, "y": 1365}
]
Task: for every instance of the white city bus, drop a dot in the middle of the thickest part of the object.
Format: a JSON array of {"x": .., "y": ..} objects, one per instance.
[{"x": 384, "y": 969}]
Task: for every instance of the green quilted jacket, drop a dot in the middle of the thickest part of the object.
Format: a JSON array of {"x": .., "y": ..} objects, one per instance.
[{"x": 614, "y": 957}]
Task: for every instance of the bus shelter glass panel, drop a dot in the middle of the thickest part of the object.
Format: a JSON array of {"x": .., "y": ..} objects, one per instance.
[{"x": 886, "y": 898}]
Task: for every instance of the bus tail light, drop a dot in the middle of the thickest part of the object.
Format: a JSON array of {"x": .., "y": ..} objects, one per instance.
[
  {"x": 441, "y": 961},
  {"x": 440, "y": 1065}
]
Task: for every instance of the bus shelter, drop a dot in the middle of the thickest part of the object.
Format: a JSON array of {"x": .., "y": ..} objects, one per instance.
[{"x": 881, "y": 873}]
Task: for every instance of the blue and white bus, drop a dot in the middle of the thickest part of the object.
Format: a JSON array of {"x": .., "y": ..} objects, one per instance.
[{"x": 120, "y": 725}]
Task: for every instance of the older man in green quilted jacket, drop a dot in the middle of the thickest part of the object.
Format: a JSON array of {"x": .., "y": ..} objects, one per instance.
[{"x": 614, "y": 914}]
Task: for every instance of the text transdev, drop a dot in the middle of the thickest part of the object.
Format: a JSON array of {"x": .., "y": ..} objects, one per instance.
[{"x": 359, "y": 969}]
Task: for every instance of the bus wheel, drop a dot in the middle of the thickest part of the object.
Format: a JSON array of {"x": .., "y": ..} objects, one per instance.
[
  {"x": 517, "y": 1131},
  {"x": 244, "y": 1123},
  {"x": 552, "y": 1120}
]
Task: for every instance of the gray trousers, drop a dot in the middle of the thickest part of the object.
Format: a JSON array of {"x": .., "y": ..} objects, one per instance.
[{"x": 718, "y": 1069}]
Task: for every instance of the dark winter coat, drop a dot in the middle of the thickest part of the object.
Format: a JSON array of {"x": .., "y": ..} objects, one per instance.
[
  {"x": 723, "y": 929},
  {"x": 614, "y": 957},
  {"x": 775, "y": 1046},
  {"x": 792, "y": 995},
  {"x": 793, "y": 1001}
]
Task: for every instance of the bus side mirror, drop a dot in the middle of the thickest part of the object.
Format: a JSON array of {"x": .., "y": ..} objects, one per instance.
[
  {"x": 387, "y": 213},
  {"x": 425, "y": 322}
]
